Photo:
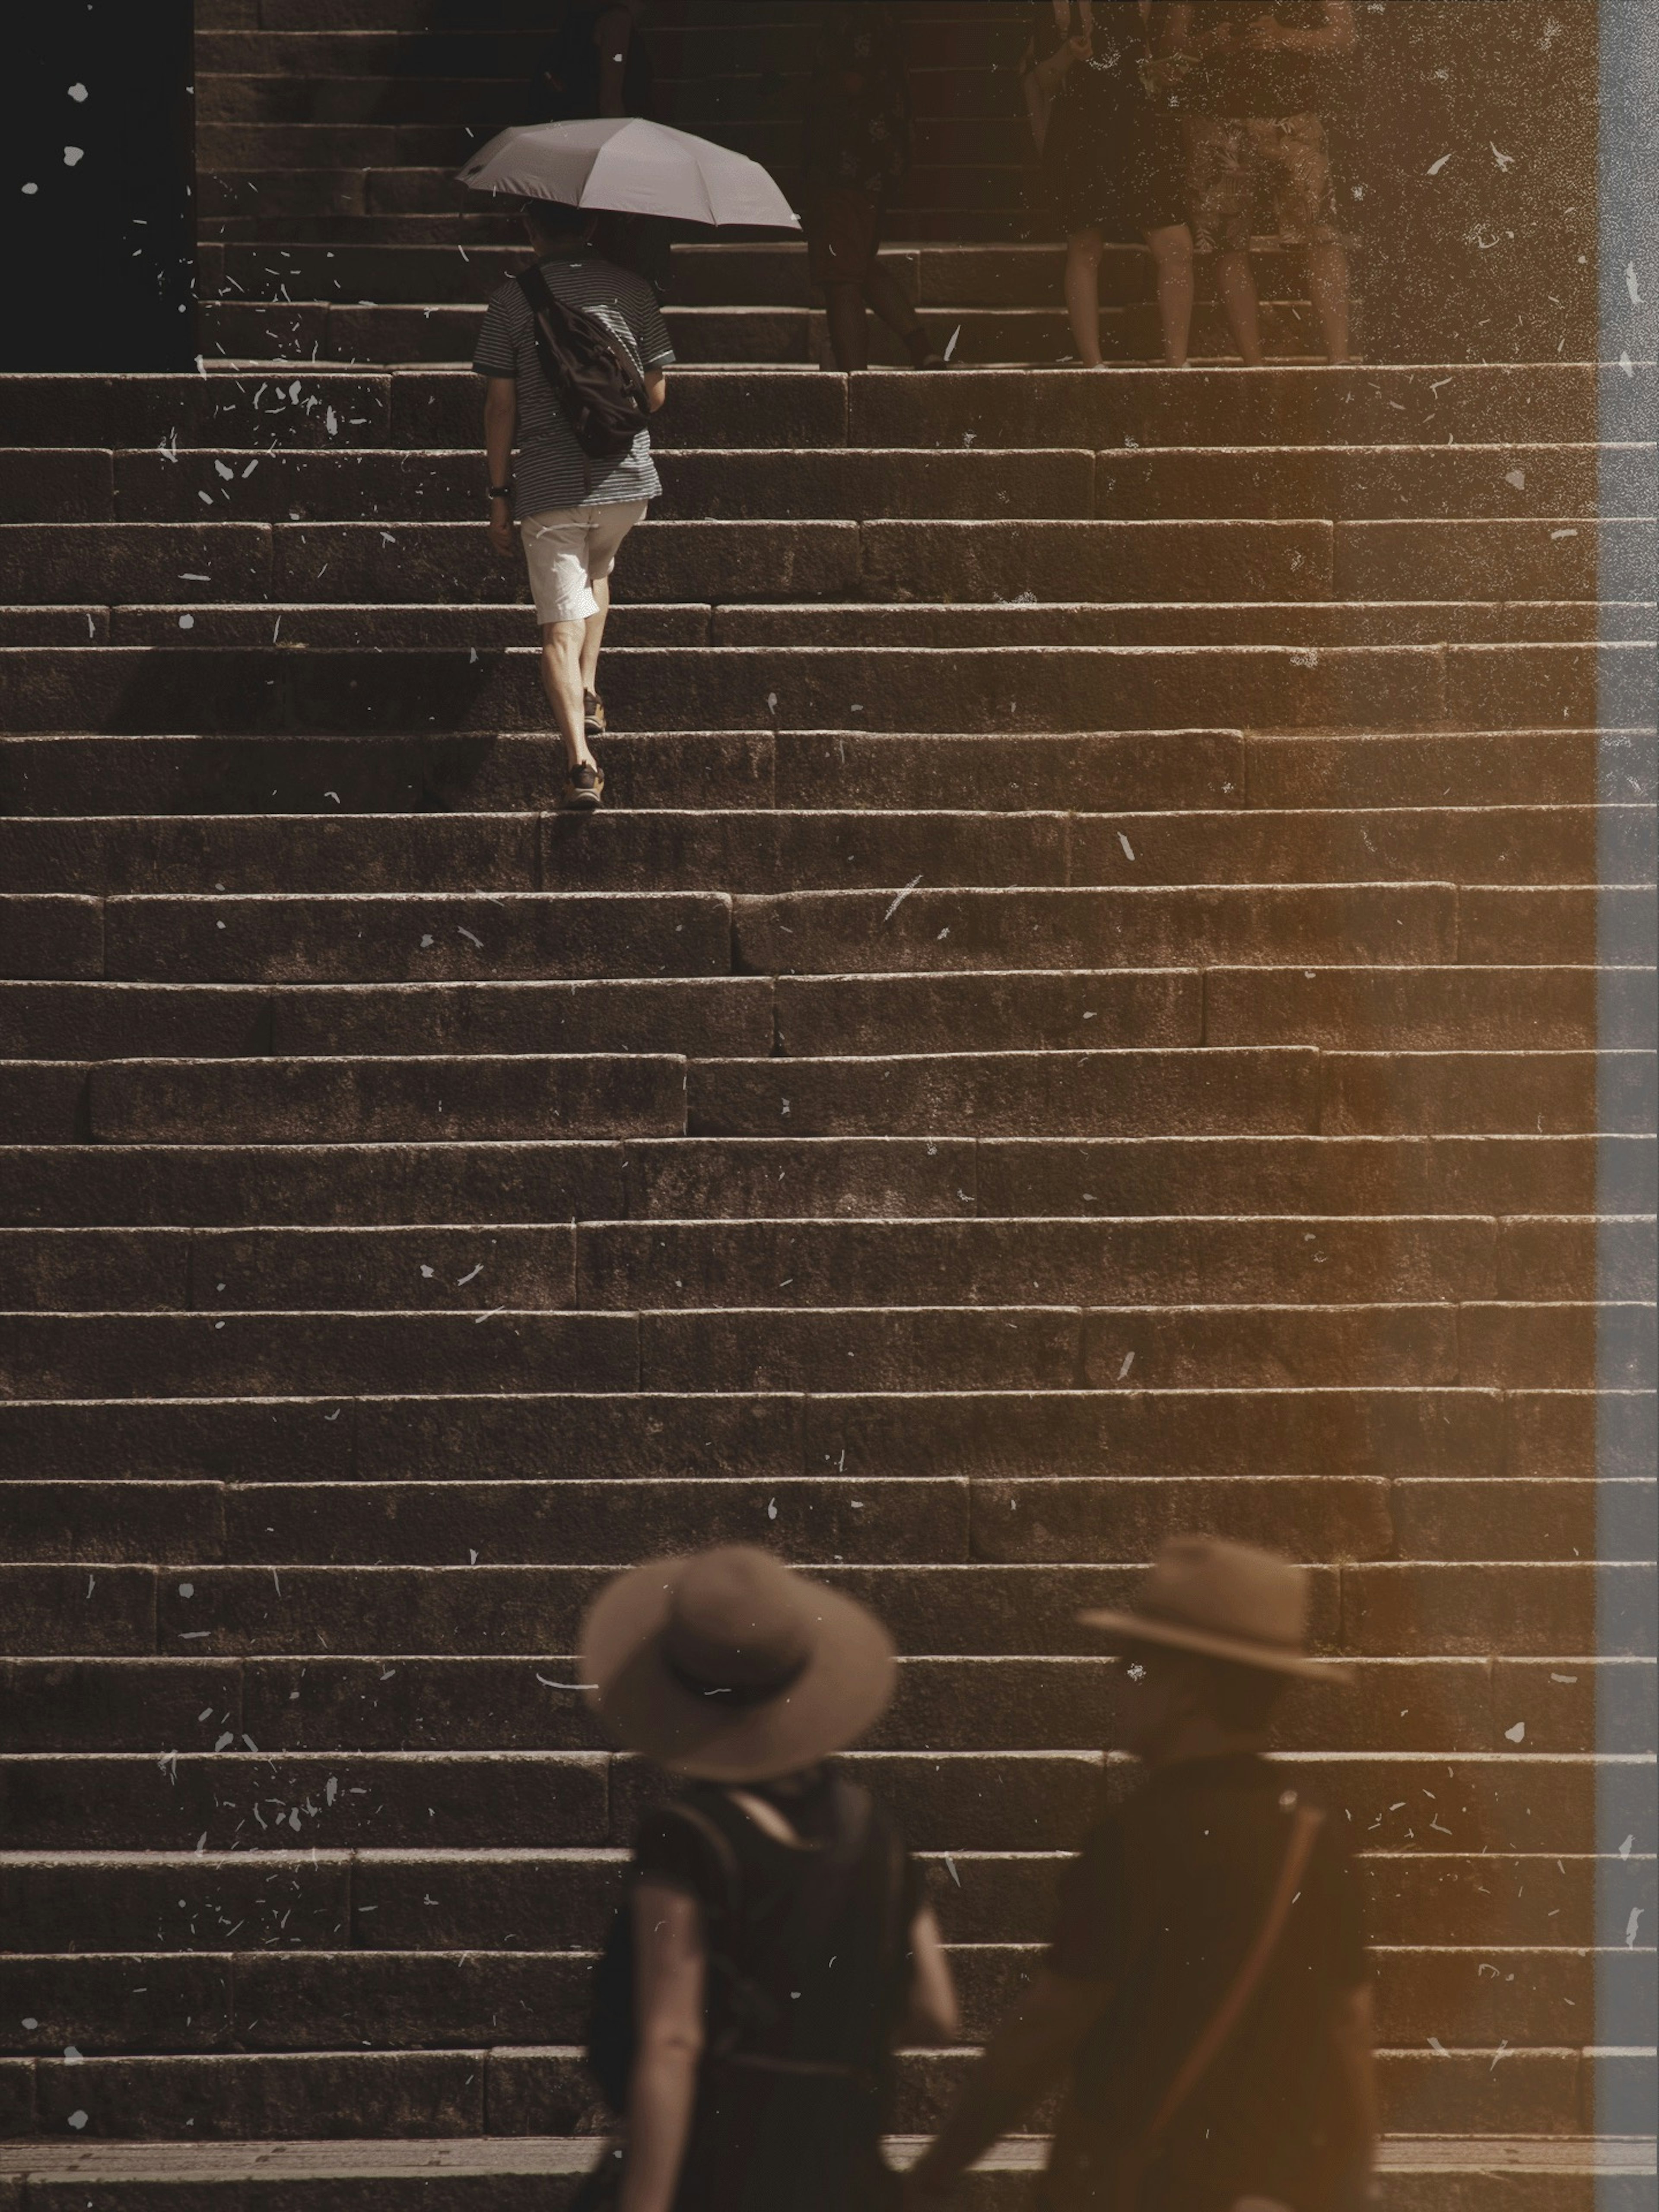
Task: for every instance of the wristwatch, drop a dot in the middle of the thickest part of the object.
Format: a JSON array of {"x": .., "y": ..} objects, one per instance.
[{"x": 501, "y": 491}]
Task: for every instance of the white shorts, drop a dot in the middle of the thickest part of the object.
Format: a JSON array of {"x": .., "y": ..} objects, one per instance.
[{"x": 569, "y": 550}]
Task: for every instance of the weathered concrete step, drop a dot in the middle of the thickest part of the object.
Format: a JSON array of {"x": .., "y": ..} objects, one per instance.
[
  {"x": 1162, "y": 770},
  {"x": 709, "y": 1014},
  {"x": 544, "y": 2092},
  {"x": 331, "y": 774},
  {"x": 496, "y": 1900},
  {"x": 1009, "y": 1704},
  {"x": 928, "y": 1519},
  {"x": 1010, "y": 1093},
  {"x": 946, "y": 1801},
  {"x": 1220, "y": 1260},
  {"x": 753, "y": 850},
  {"x": 1525, "y": 1433},
  {"x": 1538, "y": 404},
  {"x": 350, "y": 1101},
  {"x": 284, "y": 95},
  {"x": 769, "y": 1178},
  {"x": 1495, "y": 1345},
  {"x": 435, "y": 937},
  {"x": 838, "y": 932},
  {"x": 1544, "y": 1609},
  {"x": 1312, "y": 625},
  {"x": 1520, "y": 687},
  {"x": 519, "y": 1181},
  {"x": 318, "y": 2001},
  {"x": 445, "y": 330},
  {"x": 1580, "y": 559}
]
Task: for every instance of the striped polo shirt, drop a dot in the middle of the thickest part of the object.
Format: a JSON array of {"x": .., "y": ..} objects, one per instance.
[{"x": 553, "y": 470}]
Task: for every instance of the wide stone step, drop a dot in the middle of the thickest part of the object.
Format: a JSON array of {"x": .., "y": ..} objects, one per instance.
[
  {"x": 323, "y": 2000},
  {"x": 1195, "y": 769},
  {"x": 766, "y": 1178},
  {"x": 945, "y": 1801},
  {"x": 1527, "y": 1433},
  {"x": 545, "y": 2093},
  {"x": 1023, "y": 689},
  {"x": 974, "y": 561},
  {"x": 753, "y": 850},
  {"x": 500, "y": 1900},
  {"x": 1220, "y": 1260},
  {"x": 282, "y": 333},
  {"x": 1493, "y": 1344},
  {"x": 921, "y": 1519},
  {"x": 1534, "y": 403}
]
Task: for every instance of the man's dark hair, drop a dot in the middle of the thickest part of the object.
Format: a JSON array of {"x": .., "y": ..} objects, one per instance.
[
  {"x": 557, "y": 219},
  {"x": 1241, "y": 1697}
]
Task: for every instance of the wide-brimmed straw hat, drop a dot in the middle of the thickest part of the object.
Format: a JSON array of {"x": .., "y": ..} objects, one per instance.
[
  {"x": 729, "y": 1667},
  {"x": 1226, "y": 1601}
]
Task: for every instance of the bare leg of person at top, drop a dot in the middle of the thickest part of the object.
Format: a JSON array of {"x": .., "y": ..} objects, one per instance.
[
  {"x": 1236, "y": 281},
  {"x": 1327, "y": 288},
  {"x": 1171, "y": 250},
  {"x": 1082, "y": 250},
  {"x": 849, "y": 334}
]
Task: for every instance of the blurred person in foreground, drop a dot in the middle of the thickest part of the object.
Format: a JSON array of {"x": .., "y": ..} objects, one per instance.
[
  {"x": 858, "y": 147},
  {"x": 1259, "y": 83},
  {"x": 780, "y": 1935},
  {"x": 1207, "y": 1989}
]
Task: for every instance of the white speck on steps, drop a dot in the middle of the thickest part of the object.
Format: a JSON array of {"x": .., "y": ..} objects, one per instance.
[
  {"x": 78, "y": 2120},
  {"x": 1564, "y": 1678},
  {"x": 471, "y": 1556},
  {"x": 1631, "y": 1927},
  {"x": 771, "y": 1509},
  {"x": 899, "y": 898},
  {"x": 1505, "y": 161},
  {"x": 1129, "y": 1362},
  {"x": 1515, "y": 1735},
  {"x": 463, "y": 1280},
  {"x": 1518, "y": 478},
  {"x": 426, "y": 945},
  {"x": 1436, "y": 2045},
  {"x": 951, "y": 346},
  {"x": 77, "y": 92},
  {"x": 1632, "y": 284},
  {"x": 1435, "y": 167},
  {"x": 1128, "y": 849},
  {"x": 427, "y": 1273},
  {"x": 951, "y": 1865},
  {"x": 470, "y": 937},
  {"x": 73, "y": 156},
  {"x": 1627, "y": 1847},
  {"x": 1557, "y": 535},
  {"x": 334, "y": 795}
]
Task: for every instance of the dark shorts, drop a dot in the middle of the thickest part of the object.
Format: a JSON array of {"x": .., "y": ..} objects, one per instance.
[{"x": 843, "y": 231}]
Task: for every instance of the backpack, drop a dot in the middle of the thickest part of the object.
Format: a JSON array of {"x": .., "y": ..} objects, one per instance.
[
  {"x": 599, "y": 391},
  {"x": 739, "y": 2010}
]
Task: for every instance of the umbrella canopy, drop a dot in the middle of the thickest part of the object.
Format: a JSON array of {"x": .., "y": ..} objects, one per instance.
[{"x": 623, "y": 162}]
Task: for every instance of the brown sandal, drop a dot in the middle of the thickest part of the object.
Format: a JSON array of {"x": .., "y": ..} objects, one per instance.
[{"x": 584, "y": 787}]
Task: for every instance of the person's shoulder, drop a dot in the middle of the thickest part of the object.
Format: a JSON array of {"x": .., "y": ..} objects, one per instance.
[{"x": 509, "y": 298}]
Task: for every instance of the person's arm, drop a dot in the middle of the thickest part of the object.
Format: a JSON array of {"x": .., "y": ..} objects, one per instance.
[
  {"x": 501, "y": 428},
  {"x": 1355, "y": 2034},
  {"x": 934, "y": 2015},
  {"x": 1025, "y": 2054},
  {"x": 656, "y": 389},
  {"x": 668, "y": 2005},
  {"x": 612, "y": 34}
]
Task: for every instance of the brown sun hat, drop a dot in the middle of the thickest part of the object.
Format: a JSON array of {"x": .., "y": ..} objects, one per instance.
[
  {"x": 729, "y": 1667},
  {"x": 1225, "y": 1600}
]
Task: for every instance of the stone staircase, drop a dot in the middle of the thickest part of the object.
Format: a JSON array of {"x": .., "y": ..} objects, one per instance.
[{"x": 1113, "y": 994}]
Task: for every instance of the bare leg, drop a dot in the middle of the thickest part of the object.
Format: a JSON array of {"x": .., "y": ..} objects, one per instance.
[
  {"x": 593, "y": 632},
  {"x": 1236, "y": 283},
  {"x": 1083, "y": 294},
  {"x": 886, "y": 295},
  {"x": 1172, "y": 253},
  {"x": 849, "y": 336},
  {"x": 1327, "y": 287},
  {"x": 561, "y": 679}
]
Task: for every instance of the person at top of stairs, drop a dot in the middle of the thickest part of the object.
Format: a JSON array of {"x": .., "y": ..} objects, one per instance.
[
  {"x": 1255, "y": 105},
  {"x": 1208, "y": 1985},
  {"x": 858, "y": 147},
  {"x": 1112, "y": 161},
  {"x": 573, "y": 510},
  {"x": 598, "y": 63},
  {"x": 780, "y": 1935}
]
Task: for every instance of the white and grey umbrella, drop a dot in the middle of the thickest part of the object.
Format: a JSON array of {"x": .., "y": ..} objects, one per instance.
[{"x": 625, "y": 163}]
